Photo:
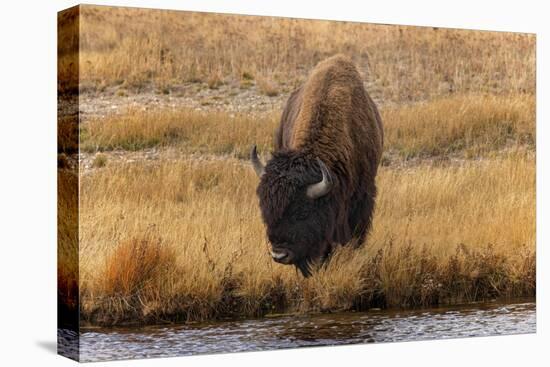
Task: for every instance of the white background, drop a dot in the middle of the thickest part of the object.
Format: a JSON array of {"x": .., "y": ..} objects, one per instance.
[{"x": 28, "y": 181}]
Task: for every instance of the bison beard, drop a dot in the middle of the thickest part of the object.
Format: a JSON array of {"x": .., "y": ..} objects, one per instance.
[{"x": 318, "y": 189}]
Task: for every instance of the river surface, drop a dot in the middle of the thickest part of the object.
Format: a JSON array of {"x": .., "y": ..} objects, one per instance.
[{"x": 98, "y": 344}]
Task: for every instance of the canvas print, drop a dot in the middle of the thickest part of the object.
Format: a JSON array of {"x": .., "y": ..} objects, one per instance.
[{"x": 238, "y": 183}]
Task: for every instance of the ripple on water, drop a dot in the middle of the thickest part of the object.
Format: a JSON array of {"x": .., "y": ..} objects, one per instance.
[{"x": 303, "y": 331}]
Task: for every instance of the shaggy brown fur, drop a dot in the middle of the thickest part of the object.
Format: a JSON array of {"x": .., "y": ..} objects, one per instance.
[{"x": 331, "y": 118}]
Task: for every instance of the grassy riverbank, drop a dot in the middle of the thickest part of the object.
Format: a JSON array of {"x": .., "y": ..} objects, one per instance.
[{"x": 184, "y": 240}]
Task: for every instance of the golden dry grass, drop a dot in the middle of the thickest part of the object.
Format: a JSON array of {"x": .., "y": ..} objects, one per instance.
[
  {"x": 68, "y": 62},
  {"x": 137, "y": 47},
  {"x": 67, "y": 250},
  {"x": 183, "y": 240},
  {"x": 67, "y": 133},
  {"x": 193, "y": 131},
  {"x": 441, "y": 234},
  {"x": 472, "y": 125}
]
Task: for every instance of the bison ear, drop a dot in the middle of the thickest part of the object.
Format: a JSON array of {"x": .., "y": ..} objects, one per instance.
[
  {"x": 322, "y": 187},
  {"x": 256, "y": 164}
]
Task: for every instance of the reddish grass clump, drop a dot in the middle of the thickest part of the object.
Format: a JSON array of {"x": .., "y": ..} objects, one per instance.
[
  {"x": 127, "y": 286},
  {"x": 134, "y": 265}
]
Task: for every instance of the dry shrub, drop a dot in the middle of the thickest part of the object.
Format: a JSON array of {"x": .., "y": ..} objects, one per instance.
[
  {"x": 129, "y": 283},
  {"x": 214, "y": 81},
  {"x": 267, "y": 86},
  {"x": 134, "y": 265},
  {"x": 100, "y": 160},
  {"x": 246, "y": 75},
  {"x": 121, "y": 93}
]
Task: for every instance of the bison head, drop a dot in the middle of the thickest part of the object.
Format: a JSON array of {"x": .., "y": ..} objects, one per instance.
[{"x": 295, "y": 202}]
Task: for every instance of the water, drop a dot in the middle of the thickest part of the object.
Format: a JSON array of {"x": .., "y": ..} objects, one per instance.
[{"x": 304, "y": 331}]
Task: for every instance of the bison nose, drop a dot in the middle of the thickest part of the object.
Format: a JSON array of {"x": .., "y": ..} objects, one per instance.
[
  {"x": 281, "y": 253},
  {"x": 278, "y": 254}
]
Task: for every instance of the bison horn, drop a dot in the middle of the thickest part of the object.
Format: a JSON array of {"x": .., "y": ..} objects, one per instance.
[
  {"x": 258, "y": 166},
  {"x": 322, "y": 187}
]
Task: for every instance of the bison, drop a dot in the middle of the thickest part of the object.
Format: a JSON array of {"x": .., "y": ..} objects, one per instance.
[{"x": 318, "y": 189}]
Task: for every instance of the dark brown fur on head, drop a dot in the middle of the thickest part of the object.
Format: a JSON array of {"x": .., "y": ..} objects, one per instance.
[
  {"x": 297, "y": 225},
  {"x": 330, "y": 119}
]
